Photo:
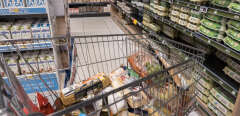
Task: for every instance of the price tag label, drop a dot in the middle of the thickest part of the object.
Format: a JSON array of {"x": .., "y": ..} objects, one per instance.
[
  {"x": 134, "y": 21},
  {"x": 203, "y": 9}
]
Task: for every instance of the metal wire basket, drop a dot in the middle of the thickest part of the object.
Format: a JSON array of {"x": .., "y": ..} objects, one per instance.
[{"x": 119, "y": 74}]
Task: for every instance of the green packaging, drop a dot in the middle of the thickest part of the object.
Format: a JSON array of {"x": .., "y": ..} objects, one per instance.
[
  {"x": 206, "y": 83},
  {"x": 233, "y": 34},
  {"x": 219, "y": 106},
  {"x": 210, "y": 33},
  {"x": 221, "y": 3},
  {"x": 215, "y": 18},
  {"x": 234, "y": 7},
  {"x": 221, "y": 96},
  {"x": 234, "y": 24},
  {"x": 232, "y": 74},
  {"x": 213, "y": 25},
  {"x": 232, "y": 43}
]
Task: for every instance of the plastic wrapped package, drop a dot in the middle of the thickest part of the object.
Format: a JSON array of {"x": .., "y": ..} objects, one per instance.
[
  {"x": 76, "y": 92},
  {"x": 203, "y": 97},
  {"x": 232, "y": 43},
  {"x": 215, "y": 18},
  {"x": 232, "y": 74},
  {"x": 233, "y": 34},
  {"x": 234, "y": 24},
  {"x": 212, "y": 25},
  {"x": 214, "y": 109},
  {"x": 219, "y": 106},
  {"x": 234, "y": 7},
  {"x": 211, "y": 33},
  {"x": 221, "y": 3}
]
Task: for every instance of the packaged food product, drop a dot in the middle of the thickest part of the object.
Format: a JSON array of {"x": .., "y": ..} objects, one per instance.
[
  {"x": 232, "y": 74},
  {"x": 233, "y": 34},
  {"x": 202, "y": 89},
  {"x": 221, "y": 3},
  {"x": 210, "y": 33},
  {"x": 193, "y": 27},
  {"x": 203, "y": 97},
  {"x": 174, "y": 18},
  {"x": 163, "y": 6},
  {"x": 206, "y": 83},
  {"x": 164, "y": 93},
  {"x": 219, "y": 106},
  {"x": 169, "y": 31},
  {"x": 234, "y": 65},
  {"x": 221, "y": 96},
  {"x": 76, "y": 92},
  {"x": 234, "y": 24},
  {"x": 185, "y": 10},
  {"x": 143, "y": 63},
  {"x": 215, "y": 18},
  {"x": 175, "y": 13},
  {"x": 213, "y": 25},
  {"x": 184, "y": 16},
  {"x": 234, "y": 7},
  {"x": 232, "y": 43},
  {"x": 176, "y": 7},
  {"x": 183, "y": 22},
  {"x": 161, "y": 13},
  {"x": 214, "y": 109},
  {"x": 154, "y": 27}
]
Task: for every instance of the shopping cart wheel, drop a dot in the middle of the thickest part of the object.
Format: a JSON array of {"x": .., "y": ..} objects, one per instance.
[{"x": 36, "y": 114}]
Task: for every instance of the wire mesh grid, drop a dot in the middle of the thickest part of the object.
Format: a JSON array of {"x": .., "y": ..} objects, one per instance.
[{"x": 117, "y": 74}]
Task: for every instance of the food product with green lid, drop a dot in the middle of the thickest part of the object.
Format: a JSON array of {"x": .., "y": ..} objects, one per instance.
[
  {"x": 221, "y": 3},
  {"x": 210, "y": 33},
  {"x": 184, "y": 16},
  {"x": 234, "y": 24},
  {"x": 234, "y": 7},
  {"x": 214, "y": 109},
  {"x": 195, "y": 17},
  {"x": 213, "y": 25},
  {"x": 215, "y": 18},
  {"x": 233, "y": 34},
  {"x": 203, "y": 97},
  {"x": 193, "y": 27},
  {"x": 232, "y": 43},
  {"x": 232, "y": 74},
  {"x": 219, "y": 106},
  {"x": 223, "y": 97},
  {"x": 202, "y": 89}
]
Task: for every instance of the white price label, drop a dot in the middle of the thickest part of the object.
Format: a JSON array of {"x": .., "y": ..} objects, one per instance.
[{"x": 203, "y": 9}]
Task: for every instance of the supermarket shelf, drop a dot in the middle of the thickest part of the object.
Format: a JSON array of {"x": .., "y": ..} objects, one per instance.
[
  {"x": 220, "y": 77},
  {"x": 79, "y": 4},
  {"x": 218, "y": 45},
  {"x": 26, "y": 47},
  {"x": 210, "y": 10},
  {"x": 31, "y": 81},
  {"x": 22, "y": 11},
  {"x": 205, "y": 107},
  {"x": 90, "y": 14}
]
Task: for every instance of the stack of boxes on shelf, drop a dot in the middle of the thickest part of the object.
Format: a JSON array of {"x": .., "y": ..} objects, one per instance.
[
  {"x": 42, "y": 63},
  {"x": 159, "y": 7},
  {"x": 25, "y": 29},
  {"x": 194, "y": 20},
  {"x": 233, "y": 35}
]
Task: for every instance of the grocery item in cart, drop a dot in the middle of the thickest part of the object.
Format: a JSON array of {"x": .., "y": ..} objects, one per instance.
[
  {"x": 232, "y": 43},
  {"x": 44, "y": 106},
  {"x": 222, "y": 96},
  {"x": 232, "y": 74},
  {"x": 143, "y": 63},
  {"x": 76, "y": 92},
  {"x": 234, "y": 7}
]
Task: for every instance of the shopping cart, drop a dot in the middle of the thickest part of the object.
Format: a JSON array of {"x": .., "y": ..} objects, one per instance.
[{"x": 118, "y": 74}]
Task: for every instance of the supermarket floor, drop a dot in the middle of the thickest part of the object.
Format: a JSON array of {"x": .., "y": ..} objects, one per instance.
[{"x": 87, "y": 53}]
